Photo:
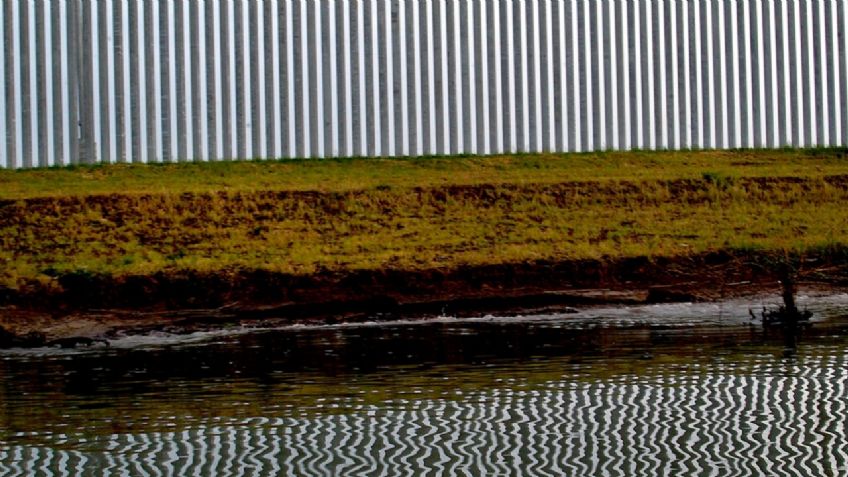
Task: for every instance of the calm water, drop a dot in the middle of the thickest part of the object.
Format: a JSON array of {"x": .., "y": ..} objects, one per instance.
[{"x": 655, "y": 390}]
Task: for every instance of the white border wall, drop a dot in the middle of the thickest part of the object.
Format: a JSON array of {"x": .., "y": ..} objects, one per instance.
[{"x": 86, "y": 81}]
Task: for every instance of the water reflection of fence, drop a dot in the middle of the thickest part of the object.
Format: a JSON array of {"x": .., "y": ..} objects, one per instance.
[
  {"x": 154, "y": 80},
  {"x": 774, "y": 419}
]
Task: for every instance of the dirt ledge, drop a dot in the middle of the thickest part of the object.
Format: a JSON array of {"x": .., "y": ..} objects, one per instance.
[{"x": 88, "y": 306}]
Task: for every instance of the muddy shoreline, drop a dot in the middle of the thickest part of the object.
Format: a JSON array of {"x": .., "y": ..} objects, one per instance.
[{"x": 86, "y": 308}]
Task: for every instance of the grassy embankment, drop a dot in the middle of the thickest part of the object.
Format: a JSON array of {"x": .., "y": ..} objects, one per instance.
[{"x": 299, "y": 217}]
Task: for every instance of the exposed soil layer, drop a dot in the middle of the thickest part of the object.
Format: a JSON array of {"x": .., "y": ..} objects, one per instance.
[
  {"x": 287, "y": 243},
  {"x": 87, "y": 307}
]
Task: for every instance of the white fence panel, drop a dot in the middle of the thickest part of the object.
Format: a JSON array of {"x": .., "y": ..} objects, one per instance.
[{"x": 85, "y": 81}]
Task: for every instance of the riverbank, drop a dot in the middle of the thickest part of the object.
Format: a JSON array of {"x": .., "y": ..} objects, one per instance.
[{"x": 333, "y": 240}]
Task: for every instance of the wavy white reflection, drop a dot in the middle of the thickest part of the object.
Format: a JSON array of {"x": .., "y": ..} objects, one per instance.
[{"x": 770, "y": 419}]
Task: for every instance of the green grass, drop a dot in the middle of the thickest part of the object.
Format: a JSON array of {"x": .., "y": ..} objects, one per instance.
[
  {"x": 364, "y": 173},
  {"x": 340, "y": 215}
]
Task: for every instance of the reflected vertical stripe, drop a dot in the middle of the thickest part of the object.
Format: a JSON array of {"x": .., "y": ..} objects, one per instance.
[{"x": 743, "y": 417}]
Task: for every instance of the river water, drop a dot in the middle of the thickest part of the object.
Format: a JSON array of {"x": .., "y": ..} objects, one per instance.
[{"x": 684, "y": 389}]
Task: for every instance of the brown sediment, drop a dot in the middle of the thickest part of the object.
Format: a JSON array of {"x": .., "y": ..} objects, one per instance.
[{"x": 93, "y": 307}]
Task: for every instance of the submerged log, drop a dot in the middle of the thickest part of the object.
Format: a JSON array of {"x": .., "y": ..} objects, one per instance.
[{"x": 788, "y": 314}]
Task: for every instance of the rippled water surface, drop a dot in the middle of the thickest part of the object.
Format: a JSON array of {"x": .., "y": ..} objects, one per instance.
[{"x": 653, "y": 390}]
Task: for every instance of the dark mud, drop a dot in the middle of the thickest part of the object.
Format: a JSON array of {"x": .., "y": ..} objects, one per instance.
[{"x": 90, "y": 307}]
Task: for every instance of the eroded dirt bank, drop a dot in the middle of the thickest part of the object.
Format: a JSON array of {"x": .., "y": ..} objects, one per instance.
[
  {"x": 88, "y": 306},
  {"x": 98, "y": 251}
]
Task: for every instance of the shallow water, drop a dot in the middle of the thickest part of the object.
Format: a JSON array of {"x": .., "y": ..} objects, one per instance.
[{"x": 651, "y": 390}]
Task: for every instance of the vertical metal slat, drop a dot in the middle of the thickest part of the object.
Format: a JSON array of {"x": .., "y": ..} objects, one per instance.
[
  {"x": 150, "y": 80},
  {"x": 5, "y": 159}
]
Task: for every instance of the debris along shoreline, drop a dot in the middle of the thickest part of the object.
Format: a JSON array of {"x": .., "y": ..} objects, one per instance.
[{"x": 145, "y": 304}]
